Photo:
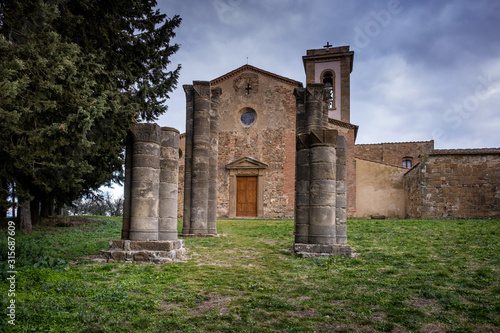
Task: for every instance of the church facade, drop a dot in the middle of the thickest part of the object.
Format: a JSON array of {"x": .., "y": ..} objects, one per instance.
[{"x": 256, "y": 154}]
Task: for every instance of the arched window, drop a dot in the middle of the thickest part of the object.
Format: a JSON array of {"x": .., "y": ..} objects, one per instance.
[
  {"x": 328, "y": 82},
  {"x": 407, "y": 162}
]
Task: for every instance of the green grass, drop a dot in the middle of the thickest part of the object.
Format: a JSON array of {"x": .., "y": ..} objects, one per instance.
[{"x": 410, "y": 276}]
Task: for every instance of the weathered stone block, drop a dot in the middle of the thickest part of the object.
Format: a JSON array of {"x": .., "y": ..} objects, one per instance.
[
  {"x": 341, "y": 172},
  {"x": 145, "y": 149},
  {"x": 322, "y": 154},
  {"x": 341, "y": 200},
  {"x": 168, "y": 177},
  {"x": 341, "y": 186},
  {"x": 144, "y": 190},
  {"x": 118, "y": 255},
  {"x": 145, "y": 208},
  {"x": 116, "y": 244},
  {"x": 141, "y": 256},
  {"x": 302, "y": 172},
  {"x": 301, "y": 200},
  {"x": 340, "y": 216},
  {"x": 315, "y": 250},
  {"x": 322, "y": 171},
  {"x": 324, "y": 137},
  {"x": 147, "y": 175},
  {"x": 146, "y": 161}
]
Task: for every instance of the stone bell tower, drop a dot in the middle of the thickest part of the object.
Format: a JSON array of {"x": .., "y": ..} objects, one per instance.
[{"x": 332, "y": 66}]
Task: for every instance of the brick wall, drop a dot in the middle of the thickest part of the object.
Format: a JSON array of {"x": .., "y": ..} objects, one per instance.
[
  {"x": 394, "y": 152},
  {"x": 455, "y": 184}
]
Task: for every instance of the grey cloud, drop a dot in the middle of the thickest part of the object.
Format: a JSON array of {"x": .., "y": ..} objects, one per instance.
[{"x": 418, "y": 59}]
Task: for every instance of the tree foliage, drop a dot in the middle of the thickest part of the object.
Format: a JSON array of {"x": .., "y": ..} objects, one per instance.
[{"x": 73, "y": 76}]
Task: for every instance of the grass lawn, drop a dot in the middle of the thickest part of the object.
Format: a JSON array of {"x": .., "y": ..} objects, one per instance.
[{"x": 410, "y": 276}]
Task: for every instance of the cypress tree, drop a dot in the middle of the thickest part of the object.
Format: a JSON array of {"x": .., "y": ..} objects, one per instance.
[{"x": 73, "y": 76}]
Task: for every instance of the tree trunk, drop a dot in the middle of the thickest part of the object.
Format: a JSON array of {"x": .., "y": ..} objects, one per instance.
[
  {"x": 4, "y": 194},
  {"x": 35, "y": 211},
  {"x": 51, "y": 207},
  {"x": 14, "y": 204},
  {"x": 47, "y": 208},
  {"x": 25, "y": 217}
]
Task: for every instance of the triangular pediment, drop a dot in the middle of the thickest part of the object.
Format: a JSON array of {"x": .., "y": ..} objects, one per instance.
[
  {"x": 250, "y": 68},
  {"x": 246, "y": 163}
]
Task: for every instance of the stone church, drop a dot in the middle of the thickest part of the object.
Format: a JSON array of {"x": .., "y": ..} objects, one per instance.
[{"x": 257, "y": 144}]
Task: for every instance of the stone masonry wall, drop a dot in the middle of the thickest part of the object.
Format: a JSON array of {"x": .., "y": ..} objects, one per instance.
[
  {"x": 455, "y": 184},
  {"x": 379, "y": 190},
  {"x": 413, "y": 192},
  {"x": 269, "y": 140},
  {"x": 394, "y": 152}
]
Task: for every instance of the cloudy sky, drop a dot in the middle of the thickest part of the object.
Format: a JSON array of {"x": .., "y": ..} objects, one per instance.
[{"x": 422, "y": 69}]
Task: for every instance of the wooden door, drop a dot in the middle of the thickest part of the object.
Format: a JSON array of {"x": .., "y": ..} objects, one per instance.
[{"x": 246, "y": 197}]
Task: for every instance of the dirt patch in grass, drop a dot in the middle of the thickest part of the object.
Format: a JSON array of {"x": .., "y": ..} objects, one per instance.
[
  {"x": 335, "y": 326},
  {"x": 427, "y": 306},
  {"x": 486, "y": 328},
  {"x": 305, "y": 313},
  {"x": 214, "y": 263},
  {"x": 434, "y": 328},
  {"x": 213, "y": 301}
]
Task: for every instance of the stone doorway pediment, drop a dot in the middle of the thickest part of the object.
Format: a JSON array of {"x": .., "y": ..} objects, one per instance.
[{"x": 246, "y": 163}]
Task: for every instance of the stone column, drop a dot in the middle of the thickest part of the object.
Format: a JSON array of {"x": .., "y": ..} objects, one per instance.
[
  {"x": 213, "y": 162},
  {"x": 200, "y": 189},
  {"x": 200, "y": 165},
  {"x": 319, "y": 176},
  {"x": 126, "y": 188},
  {"x": 301, "y": 170},
  {"x": 341, "y": 204},
  {"x": 144, "y": 189},
  {"x": 168, "y": 193},
  {"x": 322, "y": 187},
  {"x": 316, "y": 117},
  {"x": 188, "y": 159}
]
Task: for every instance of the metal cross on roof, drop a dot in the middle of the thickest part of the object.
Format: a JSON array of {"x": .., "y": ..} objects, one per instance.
[
  {"x": 327, "y": 45},
  {"x": 248, "y": 88}
]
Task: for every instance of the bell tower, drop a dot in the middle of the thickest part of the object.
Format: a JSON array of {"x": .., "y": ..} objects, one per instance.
[{"x": 332, "y": 66}]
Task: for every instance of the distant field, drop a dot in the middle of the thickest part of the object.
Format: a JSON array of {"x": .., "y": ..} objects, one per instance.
[{"x": 410, "y": 276}]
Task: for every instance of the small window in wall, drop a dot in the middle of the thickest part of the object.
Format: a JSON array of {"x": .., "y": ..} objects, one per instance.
[
  {"x": 328, "y": 81},
  {"x": 407, "y": 162}
]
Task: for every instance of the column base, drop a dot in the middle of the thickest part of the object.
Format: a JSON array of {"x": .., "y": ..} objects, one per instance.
[
  {"x": 319, "y": 250},
  {"x": 158, "y": 252},
  {"x": 198, "y": 235}
]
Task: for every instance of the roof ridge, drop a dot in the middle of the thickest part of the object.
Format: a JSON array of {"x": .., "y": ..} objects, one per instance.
[
  {"x": 342, "y": 123},
  {"x": 255, "y": 69},
  {"x": 380, "y": 162},
  {"x": 381, "y": 143},
  {"x": 465, "y": 151}
]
